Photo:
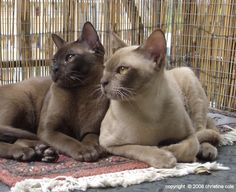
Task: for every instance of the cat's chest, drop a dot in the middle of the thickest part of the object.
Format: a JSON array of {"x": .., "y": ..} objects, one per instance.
[
  {"x": 76, "y": 111},
  {"x": 139, "y": 128},
  {"x": 74, "y": 106},
  {"x": 80, "y": 108}
]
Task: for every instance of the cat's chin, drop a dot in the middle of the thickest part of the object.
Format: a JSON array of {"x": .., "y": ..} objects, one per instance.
[{"x": 67, "y": 84}]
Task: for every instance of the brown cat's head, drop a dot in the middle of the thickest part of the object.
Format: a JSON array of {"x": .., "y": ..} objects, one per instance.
[
  {"x": 133, "y": 67},
  {"x": 75, "y": 62}
]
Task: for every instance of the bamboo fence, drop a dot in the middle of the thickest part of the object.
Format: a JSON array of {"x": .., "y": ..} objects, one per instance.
[
  {"x": 204, "y": 38},
  {"x": 200, "y": 34}
]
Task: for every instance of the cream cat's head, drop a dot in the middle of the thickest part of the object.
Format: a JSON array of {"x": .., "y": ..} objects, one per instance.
[{"x": 131, "y": 68}]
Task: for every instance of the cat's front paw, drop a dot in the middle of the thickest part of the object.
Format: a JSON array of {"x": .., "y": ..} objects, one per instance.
[
  {"x": 164, "y": 159},
  {"x": 207, "y": 152},
  {"x": 88, "y": 153},
  {"x": 45, "y": 153}
]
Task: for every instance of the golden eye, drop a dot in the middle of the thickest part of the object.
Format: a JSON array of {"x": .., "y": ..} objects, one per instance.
[{"x": 122, "y": 70}]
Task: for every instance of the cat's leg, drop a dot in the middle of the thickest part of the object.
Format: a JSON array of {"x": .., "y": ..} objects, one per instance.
[
  {"x": 42, "y": 151},
  {"x": 68, "y": 145},
  {"x": 151, "y": 155},
  {"x": 92, "y": 140},
  {"x": 209, "y": 138},
  {"x": 10, "y": 134},
  {"x": 186, "y": 150},
  {"x": 206, "y": 131},
  {"x": 50, "y": 130},
  {"x": 207, "y": 152},
  {"x": 195, "y": 99},
  {"x": 13, "y": 151}
]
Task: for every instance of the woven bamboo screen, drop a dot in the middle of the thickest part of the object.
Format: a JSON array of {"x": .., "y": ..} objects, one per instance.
[
  {"x": 200, "y": 34},
  {"x": 204, "y": 38}
]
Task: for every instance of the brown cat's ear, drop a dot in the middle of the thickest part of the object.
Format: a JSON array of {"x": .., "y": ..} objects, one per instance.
[
  {"x": 89, "y": 34},
  {"x": 117, "y": 42},
  {"x": 59, "y": 42},
  {"x": 155, "y": 46}
]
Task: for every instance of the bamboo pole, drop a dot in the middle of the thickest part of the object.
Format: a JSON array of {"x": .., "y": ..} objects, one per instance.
[{"x": 203, "y": 35}]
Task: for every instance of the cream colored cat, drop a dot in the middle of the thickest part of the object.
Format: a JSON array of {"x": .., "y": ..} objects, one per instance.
[
  {"x": 196, "y": 104},
  {"x": 147, "y": 119}
]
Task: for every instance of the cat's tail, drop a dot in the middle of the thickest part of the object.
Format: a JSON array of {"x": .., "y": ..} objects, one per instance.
[
  {"x": 210, "y": 134},
  {"x": 10, "y": 134}
]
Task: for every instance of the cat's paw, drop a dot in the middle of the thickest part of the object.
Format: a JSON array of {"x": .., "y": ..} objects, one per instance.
[
  {"x": 207, "y": 152},
  {"x": 45, "y": 153},
  {"x": 164, "y": 159},
  {"x": 185, "y": 151},
  {"x": 88, "y": 153},
  {"x": 23, "y": 154}
]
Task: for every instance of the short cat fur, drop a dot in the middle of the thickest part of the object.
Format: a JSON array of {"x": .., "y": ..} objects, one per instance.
[
  {"x": 147, "y": 108},
  {"x": 73, "y": 109},
  {"x": 196, "y": 104},
  {"x": 20, "y": 108}
]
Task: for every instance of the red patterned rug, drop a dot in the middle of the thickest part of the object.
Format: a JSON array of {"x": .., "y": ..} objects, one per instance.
[{"x": 12, "y": 171}]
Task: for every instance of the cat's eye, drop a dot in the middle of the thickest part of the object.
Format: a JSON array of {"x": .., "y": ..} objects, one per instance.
[
  {"x": 122, "y": 70},
  {"x": 69, "y": 57}
]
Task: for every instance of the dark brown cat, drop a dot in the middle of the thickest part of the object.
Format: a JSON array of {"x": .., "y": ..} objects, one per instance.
[
  {"x": 20, "y": 106},
  {"x": 73, "y": 110}
]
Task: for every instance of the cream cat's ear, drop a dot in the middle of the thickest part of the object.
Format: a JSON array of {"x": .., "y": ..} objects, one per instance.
[
  {"x": 59, "y": 42},
  {"x": 117, "y": 42},
  {"x": 155, "y": 46}
]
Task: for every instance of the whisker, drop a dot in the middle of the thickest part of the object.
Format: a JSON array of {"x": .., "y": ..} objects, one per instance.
[
  {"x": 96, "y": 91},
  {"x": 99, "y": 93},
  {"x": 98, "y": 86},
  {"x": 73, "y": 71},
  {"x": 127, "y": 95},
  {"x": 118, "y": 94},
  {"x": 127, "y": 91},
  {"x": 74, "y": 78},
  {"x": 122, "y": 95},
  {"x": 74, "y": 74}
]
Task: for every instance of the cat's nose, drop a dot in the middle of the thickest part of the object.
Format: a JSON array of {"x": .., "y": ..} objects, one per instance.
[
  {"x": 55, "y": 68},
  {"x": 104, "y": 82}
]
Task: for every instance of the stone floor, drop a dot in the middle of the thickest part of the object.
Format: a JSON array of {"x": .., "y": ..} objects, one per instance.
[{"x": 219, "y": 181}]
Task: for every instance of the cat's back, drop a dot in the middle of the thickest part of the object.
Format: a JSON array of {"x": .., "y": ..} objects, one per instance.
[
  {"x": 190, "y": 88},
  {"x": 40, "y": 83},
  {"x": 186, "y": 81},
  {"x": 23, "y": 101},
  {"x": 35, "y": 84},
  {"x": 27, "y": 93},
  {"x": 184, "y": 76}
]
